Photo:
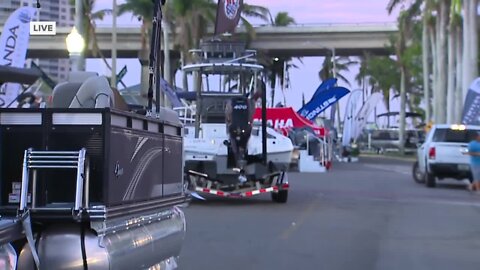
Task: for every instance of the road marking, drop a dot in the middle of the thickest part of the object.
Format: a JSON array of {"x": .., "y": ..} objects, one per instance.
[
  {"x": 300, "y": 220},
  {"x": 428, "y": 201},
  {"x": 390, "y": 168}
]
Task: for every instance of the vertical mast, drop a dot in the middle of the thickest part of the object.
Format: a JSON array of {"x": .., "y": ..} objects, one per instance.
[{"x": 154, "y": 63}]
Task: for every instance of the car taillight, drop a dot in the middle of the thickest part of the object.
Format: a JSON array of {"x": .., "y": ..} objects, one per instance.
[{"x": 431, "y": 153}]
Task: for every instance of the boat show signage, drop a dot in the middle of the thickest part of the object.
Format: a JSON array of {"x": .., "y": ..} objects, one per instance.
[
  {"x": 322, "y": 102},
  {"x": 471, "y": 106},
  {"x": 349, "y": 125},
  {"x": 325, "y": 85},
  {"x": 366, "y": 110},
  {"x": 228, "y": 16},
  {"x": 13, "y": 48},
  {"x": 286, "y": 118}
]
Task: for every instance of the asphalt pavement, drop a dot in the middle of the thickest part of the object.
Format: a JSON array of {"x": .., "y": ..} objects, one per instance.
[{"x": 366, "y": 215}]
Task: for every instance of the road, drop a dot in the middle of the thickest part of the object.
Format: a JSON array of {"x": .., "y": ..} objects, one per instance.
[{"x": 367, "y": 215}]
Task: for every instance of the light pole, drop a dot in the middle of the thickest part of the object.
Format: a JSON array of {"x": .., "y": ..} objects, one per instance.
[
  {"x": 113, "y": 82},
  {"x": 79, "y": 17},
  {"x": 75, "y": 46}
]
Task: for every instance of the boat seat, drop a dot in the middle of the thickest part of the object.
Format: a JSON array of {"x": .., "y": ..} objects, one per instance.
[
  {"x": 63, "y": 93},
  {"x": 95, "y": 92}
]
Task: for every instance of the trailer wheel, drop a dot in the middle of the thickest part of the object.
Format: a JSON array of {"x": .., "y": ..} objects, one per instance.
[{"x": 280, "y": 197}]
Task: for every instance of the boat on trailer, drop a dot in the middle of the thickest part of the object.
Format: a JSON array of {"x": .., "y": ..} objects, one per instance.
[
  {"x": 226, "y": 153},
  {"x": 84, "y": 185}
]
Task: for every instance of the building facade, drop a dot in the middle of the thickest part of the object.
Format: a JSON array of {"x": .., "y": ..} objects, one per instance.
[{"x": 51, "y": 10}]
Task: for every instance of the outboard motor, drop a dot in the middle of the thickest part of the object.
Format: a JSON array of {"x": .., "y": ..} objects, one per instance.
[{"x": 239, "y": 127}]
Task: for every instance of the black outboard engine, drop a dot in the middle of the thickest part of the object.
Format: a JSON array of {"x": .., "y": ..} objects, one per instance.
[{"x": 239, "y": 126}]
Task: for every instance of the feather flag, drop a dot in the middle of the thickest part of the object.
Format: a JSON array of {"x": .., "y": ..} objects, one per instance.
[{"x": 13, "y": 48}]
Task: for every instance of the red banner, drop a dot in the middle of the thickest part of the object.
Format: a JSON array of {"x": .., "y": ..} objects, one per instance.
[{"x": 286, "y": 118}]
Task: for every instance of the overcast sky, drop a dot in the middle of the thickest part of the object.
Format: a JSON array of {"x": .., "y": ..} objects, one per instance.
[{"x": 305, "y": 78}]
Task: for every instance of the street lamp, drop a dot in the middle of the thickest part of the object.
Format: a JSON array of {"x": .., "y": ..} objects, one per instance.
[{"x": 75, "y": 46}]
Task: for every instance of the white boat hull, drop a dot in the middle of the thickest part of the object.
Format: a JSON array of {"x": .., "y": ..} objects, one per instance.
[{"x": 210, "y": 155}]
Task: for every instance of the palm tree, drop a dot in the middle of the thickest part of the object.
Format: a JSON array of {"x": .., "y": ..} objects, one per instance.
[
  {"x": 143, "y": 11},
  {"x": 192, "y": 17},
  {"x": 277, "y": 72},
  {"x": 456, "y": 23},
  {"x": 278, "y": 66},
  {"x": 334, "y": 67},
  {"x": 453, "y": 63},
  {"x": 256, "y": 12},
  {"x": 361, "y": 78},
  {"x": 404, "y": 36},
  {"x": 470, "y": 43},
  {"x": 89, "y": 26},
  {"x": 426, "y": 62},
  {"x": 383, "y": 73},
  {"x": 342, "y": 64}
]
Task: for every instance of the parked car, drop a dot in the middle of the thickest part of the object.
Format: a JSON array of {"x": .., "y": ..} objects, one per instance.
[
  {"x": 387, "y": 139},
  {"x": 442, "y": 154}
]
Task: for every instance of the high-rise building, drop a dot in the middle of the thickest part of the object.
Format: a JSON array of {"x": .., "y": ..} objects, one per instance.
[{"x": 51, "y": 10}]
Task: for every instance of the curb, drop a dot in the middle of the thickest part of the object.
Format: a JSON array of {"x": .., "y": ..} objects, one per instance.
[{"x": 389, "y": 157}]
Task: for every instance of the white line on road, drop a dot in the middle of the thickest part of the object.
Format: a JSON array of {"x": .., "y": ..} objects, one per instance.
[
  {"x": 428, "y": 201},
  {"x": 392, "y": 168}
]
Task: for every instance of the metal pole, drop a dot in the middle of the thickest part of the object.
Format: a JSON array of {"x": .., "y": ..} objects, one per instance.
[
  {"x": 166, "y": 50},
  {"x": 338, "y": 102},
  {"x": 74, "y": 61},
  {"x": 283, "y": 83},
  {"x": 334, "y": 63},
  {"x": 80, "y": 65},
  {"x": 264, "y": 123},
  {"x": 113, "y": 81},
  {"x": 166, "y": 58}
]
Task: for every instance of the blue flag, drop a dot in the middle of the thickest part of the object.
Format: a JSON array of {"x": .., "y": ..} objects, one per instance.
[
  {"x": 471, "y": 106},
  {"x": 325, "y": 85},
  {"x": 170, "y": 93},
  {"x": 322, "y": 101}
]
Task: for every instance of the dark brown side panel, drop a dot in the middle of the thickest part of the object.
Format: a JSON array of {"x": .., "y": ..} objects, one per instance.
[
  {"x": 173, "y": 166},
  {"x": 135, "y": 166}
]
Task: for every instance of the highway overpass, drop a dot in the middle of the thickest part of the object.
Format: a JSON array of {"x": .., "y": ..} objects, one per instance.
[{"x": 298, "y": 40}]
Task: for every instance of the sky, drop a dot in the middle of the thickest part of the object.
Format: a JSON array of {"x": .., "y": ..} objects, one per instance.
[{"x": 305, "y": 78}]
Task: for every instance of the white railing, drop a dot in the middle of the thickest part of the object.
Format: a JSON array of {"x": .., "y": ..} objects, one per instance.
[
  {"x": 186, "y": 114},
  {"x": 326, "y": 149}
]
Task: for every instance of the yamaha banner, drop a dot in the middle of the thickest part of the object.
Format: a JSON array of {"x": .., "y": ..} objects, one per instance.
[
  {"x": 322, "y": 101},
  {"x": 471, "y": 106},
  {"x": 286, "y": 118},
  {"x": 228, "y": 16},
  {"x": 13, "y": 48}
]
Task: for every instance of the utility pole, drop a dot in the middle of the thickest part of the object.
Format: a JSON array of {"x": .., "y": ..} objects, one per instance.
[
  {"x": 113, "y": 82},
  {"x": 79, "y": 26}
]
